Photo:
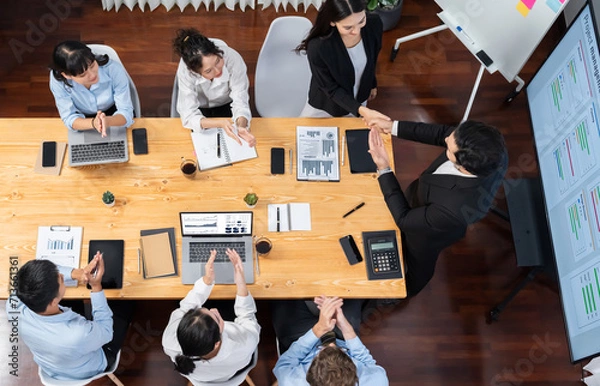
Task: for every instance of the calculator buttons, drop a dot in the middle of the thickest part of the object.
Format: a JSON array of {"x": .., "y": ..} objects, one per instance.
[{"x": 386, "y": 261}]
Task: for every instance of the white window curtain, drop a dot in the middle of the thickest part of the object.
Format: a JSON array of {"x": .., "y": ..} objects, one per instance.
[{"x": 108, "y": 5}]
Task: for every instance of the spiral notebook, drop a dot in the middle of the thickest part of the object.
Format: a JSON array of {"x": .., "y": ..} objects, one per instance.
[{"x": 214, "y": 148}]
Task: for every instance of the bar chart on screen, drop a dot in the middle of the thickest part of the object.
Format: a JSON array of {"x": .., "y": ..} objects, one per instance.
[
  {"x": 579, "y": 227},
  {"x": 585, "y": 286},
  {"x": 594, "y": 200}
]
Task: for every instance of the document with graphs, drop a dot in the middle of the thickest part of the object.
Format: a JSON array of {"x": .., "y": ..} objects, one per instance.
[
  {"x": 60, "y": 244},
  {"x": 317, "y": 153}
]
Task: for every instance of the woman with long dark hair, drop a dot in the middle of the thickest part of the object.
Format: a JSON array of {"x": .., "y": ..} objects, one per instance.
[
  {"x": 91, "y": 91},
  {"x": 342, "y": 49}
]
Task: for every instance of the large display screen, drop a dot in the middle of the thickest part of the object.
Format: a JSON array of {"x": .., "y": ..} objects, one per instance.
[{"x": 564, "y": 102}]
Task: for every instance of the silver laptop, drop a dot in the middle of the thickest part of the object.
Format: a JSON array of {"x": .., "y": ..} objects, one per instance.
[
  {"x": 203, "y": 231},
  {"x": 90, "y": 148}
]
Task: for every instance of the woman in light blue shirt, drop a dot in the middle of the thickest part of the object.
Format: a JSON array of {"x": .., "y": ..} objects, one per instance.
[{"x": 91, "y": 92}]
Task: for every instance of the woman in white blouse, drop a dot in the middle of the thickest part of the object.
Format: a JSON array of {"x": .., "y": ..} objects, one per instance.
[
  {"x": 204, "y": 347},
  {"x": 213, "y": 86}
]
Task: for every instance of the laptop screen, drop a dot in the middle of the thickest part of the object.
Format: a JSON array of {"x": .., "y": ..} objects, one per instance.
[{"x": 216, "y": 223}]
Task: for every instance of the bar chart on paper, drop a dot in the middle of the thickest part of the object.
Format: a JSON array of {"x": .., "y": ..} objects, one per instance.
[
  {"x": 585, "y": 288},
  {"x": 318, "y": 156},
  {"x": 59, "y": 244},
  {"x": 579, "y": 228}
]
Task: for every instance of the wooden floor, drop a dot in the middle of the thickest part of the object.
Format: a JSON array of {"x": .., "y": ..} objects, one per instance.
[{"x": 438, "y": 338}]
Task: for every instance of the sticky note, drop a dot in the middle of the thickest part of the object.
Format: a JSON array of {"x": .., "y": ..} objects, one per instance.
[
  {"x": 528, "y": 3},
  {"x": 522, "y": 8},
  {"x": 554, "y": 5}
]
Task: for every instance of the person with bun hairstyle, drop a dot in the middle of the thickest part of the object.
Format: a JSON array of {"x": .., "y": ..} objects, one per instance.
[
  {"x": 342, "y": 49},
  {"x": 213, "y": 86},
  {"x": 204, "y": 347},
  {"x": 91, "y": 91}
]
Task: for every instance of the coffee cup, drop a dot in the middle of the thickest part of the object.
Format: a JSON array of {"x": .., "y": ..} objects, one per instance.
[
  {"x": 188, "y": 167},
  {"x": 263, "y": 246}
]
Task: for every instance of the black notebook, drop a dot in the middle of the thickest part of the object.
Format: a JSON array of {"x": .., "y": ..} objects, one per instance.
[
  {"x": 358, "y": 151},
  {"x": 112, "y": 254}
]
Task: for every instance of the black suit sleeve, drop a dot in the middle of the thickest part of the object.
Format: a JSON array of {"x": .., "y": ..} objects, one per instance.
[
  {"x": 432, "y": 217},
  {"x": 428, "y": 133}
]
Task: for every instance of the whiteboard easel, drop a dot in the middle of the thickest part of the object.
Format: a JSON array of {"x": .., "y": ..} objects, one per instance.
[{"x": 506, "y": 32}]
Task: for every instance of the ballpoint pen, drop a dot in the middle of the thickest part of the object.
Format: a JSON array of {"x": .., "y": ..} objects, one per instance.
[
  {"x": 255, "y": 252},
  {"x": 357, "y": 207},
  {"x": 218, "y": 145},
  {"x": 291, "y": 161},
  {"x": 278, "y": 218}
]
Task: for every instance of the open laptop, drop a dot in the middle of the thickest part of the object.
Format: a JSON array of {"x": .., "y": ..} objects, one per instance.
[
  {"x": 90, "y": 148},
  {"x": 203, "y": 231}
]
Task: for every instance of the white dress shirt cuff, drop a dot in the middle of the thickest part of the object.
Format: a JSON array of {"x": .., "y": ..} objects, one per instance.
[{"x": 395, "y": 129}]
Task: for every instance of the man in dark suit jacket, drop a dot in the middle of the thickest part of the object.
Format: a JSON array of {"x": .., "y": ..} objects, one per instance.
[{"x": 456, "y": 190}]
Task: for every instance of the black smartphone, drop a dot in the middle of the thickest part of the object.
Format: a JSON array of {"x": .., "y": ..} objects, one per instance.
[
  {"x": 350, "y": 249},
  {"x": 277, "y": 160},
  {"x": 49, "y": 154},
  {"x": 140, "y": 141}
]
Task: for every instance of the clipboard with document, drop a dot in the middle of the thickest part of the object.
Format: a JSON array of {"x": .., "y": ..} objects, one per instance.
[{"x": 60, "y": 244}]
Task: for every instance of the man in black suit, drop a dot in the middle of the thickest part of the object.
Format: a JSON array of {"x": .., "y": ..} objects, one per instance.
[{"x": 456, "y": 190}]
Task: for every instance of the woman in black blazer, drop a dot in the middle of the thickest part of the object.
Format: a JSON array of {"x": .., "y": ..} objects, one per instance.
[{"x": 342, "y": 49}]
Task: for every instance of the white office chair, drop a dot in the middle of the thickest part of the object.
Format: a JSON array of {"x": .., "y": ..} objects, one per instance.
[
  {"x": 47, "y": 380},
  {"x": 101, "y": 49},
  {"x": 175, "y": 92},
  {"x": 235, "y": 381},
  {"x": 282, "y": 76}
]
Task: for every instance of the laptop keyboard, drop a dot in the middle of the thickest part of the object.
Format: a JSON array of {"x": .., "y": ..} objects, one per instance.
[
  {"x": 95, "y": 152},
  {"x": 200, "y": 252}
]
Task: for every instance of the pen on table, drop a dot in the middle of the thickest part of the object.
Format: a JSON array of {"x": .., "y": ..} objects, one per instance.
[
  {"x": 218, "y": 145},
  {"x": 138, "y": 260},
  {"x": 257, "y": 255},
  {"x": 343, "y": 146},
  {"x": 291, "y": 161},
  {"x": 278, "y": 222},
  {"x": 357, "y": 207}
]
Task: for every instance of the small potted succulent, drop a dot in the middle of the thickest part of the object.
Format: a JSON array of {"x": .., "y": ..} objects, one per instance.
[
  {"x": 251, "y": 199},
  {"x": 108, "y": 198}
]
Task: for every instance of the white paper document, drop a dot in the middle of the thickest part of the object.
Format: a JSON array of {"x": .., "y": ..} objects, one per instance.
[
  {"x": 317, "y": 153},
  {"x": 294, "y": 216},
  {"x": 60, "y": 244},
  {"x": 215, "y": 148}
]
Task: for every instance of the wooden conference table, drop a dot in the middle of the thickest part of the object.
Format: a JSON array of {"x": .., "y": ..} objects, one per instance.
[{"x": 150, "y": 192}]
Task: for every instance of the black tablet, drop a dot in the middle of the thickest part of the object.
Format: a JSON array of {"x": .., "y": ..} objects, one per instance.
[
  {"x": 358, "y": 151},
  {"x": 112, "y": 253}
]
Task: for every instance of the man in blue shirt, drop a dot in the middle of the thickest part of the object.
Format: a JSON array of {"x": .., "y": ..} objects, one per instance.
[
  {"x": 318, "y": 358},
  {"x": 64, "y": 344}
]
